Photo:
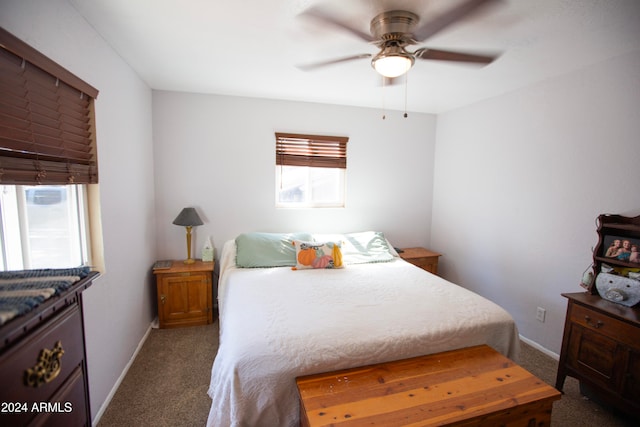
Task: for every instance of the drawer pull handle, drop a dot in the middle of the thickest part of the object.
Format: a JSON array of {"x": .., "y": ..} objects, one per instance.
[
  {"x": 48, "y": 367},
  {"x": 596, "y": 325}
]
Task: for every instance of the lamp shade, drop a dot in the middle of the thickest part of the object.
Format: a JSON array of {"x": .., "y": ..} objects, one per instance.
[{"x": 188, "y": 217}]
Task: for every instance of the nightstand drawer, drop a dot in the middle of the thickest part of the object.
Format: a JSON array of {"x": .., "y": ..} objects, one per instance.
[
  {"x": 429, "y": 264},
  {"x": 614, "y": 328},
  {"x": 421, "y": 257}
]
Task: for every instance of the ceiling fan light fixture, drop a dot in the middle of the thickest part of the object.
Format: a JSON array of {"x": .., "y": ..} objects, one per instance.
[{"x": 392, "y": 64}]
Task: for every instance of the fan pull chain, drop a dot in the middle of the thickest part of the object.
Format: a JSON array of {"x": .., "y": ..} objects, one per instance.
[
  {"x": 384, "y": 114},
  {"x": 406, "y": 84}
]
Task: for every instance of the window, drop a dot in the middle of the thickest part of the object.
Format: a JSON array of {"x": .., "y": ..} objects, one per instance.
[
  {"x": 43, "y": 226},
  {"x": 48, "y": 158},
  {"x": 310, "y": 170}
]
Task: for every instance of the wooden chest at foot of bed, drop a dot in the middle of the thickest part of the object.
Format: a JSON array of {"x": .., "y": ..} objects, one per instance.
[{"x": 474, "y": 386}]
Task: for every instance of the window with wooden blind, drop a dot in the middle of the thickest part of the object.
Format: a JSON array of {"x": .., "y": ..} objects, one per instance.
[
  {"x": 310, "y": 170},
  {"x": 47, "y": 159},
  {"x": 47, "y": 126}
]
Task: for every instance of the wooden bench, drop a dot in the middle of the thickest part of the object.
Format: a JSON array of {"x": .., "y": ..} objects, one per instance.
[{"x": 474, "y": 386}]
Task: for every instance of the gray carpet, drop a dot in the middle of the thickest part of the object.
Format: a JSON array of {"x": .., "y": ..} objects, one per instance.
[{"x": 167, "y": 384}]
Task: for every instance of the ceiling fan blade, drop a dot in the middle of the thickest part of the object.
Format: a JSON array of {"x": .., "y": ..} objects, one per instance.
[
  {"x": 445, "y": 55},
  {"x": 314, "y": 65},
  {"x": 326, "y": 18},
  {"x": 436, "y": 25}
]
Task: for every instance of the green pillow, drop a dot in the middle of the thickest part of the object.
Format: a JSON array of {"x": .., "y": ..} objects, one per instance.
[{"x": 267, "y": 249}]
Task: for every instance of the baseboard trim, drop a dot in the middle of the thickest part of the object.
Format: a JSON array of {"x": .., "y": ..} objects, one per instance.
[
  {"x": 538, "y": 347},
  {"x": 106, "y": 402}
]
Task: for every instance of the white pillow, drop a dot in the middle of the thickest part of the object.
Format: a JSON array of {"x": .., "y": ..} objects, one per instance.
[{"x": 360, "y": 248}]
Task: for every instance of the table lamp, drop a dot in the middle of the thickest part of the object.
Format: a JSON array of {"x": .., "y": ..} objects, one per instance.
[{"x": 188, "y": 218}]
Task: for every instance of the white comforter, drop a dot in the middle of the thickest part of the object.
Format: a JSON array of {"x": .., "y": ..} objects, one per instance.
[{"x": 277, "y": 324}]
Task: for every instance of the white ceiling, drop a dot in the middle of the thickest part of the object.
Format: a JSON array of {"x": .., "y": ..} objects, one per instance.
[{"x": 251, "y": 47}]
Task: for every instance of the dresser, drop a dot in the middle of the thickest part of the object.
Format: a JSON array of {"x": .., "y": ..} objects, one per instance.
[
  {"x": 601, "y": 348},
  {"x": 421, "y": 257},
  {"x": 185, "y": 294},
  {"x": 601, "y": 341},
  {"x": 43, "y": 370}
]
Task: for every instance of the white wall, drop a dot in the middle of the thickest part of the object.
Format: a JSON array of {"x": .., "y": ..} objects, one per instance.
[
  {"x": 118, "y": 307},
  {"x": 520, "y": 180},
  {"x": 217, "y": 153}
]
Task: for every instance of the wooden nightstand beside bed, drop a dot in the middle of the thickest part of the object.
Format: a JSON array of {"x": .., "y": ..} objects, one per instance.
[
  {"x": 421, "y": 257},
  {"x": 185, "y": 294}
]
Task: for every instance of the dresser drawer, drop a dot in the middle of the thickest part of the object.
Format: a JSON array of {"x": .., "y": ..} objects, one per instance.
[
  {"x": 69, "y": 405},
  {"x": 30, "y": 372},
  {"x": 606, "y": 325},
  {"x": 66, "y": 408}
]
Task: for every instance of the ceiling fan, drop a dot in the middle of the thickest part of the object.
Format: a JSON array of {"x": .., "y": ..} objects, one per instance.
[{"x": 393, "y": 31}]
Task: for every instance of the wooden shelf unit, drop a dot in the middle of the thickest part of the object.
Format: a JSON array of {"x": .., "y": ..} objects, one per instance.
[{"x": 613, "y": 226}]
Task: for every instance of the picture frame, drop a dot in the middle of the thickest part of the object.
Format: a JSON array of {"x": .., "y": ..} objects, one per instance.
[{"x": 621, "y": 249}]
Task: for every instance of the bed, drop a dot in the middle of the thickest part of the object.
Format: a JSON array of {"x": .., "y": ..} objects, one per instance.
[{"x": 278, "y": 322}]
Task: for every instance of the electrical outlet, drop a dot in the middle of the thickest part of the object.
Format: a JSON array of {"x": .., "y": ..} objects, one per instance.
[{"x": 540, "y": 314}]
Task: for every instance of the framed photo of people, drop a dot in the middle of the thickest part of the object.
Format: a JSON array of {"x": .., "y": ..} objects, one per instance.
[{"x": 622, "y": 249}]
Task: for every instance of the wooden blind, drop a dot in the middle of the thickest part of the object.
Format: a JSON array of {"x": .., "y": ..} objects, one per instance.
[
  {"x": 47, "y": 123},
  {"x": 311, "y": 150}
]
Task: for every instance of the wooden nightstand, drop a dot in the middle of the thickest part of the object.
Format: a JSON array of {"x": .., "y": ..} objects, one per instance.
[
  {"x": 185, "y": 294},
  {"x": 421, "y": 257}
]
